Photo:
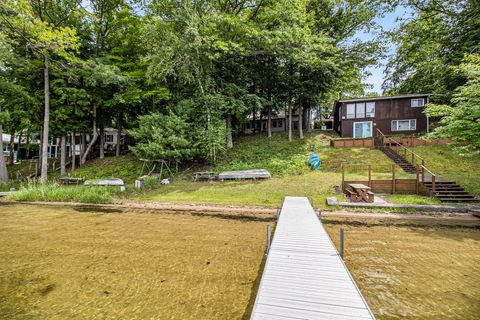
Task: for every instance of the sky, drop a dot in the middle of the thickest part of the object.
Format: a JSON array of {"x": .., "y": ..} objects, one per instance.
[{"x": 387, "y": 22}]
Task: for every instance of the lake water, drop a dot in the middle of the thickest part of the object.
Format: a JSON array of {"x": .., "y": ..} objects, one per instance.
[
  {"x": 86, "y": 263},
  {"x": 414, "y": 272}
]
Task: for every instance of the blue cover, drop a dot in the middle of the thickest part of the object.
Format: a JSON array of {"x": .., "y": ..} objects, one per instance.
[
  {"x": 317, "y": 164},
  {"x": 313, "y": 158}
]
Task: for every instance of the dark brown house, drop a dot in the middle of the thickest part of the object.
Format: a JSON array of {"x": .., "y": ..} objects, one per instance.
[{"x": 360, "y": 118}]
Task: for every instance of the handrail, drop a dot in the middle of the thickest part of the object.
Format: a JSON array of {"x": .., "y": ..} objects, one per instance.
[{"x": 406, "y": 150}]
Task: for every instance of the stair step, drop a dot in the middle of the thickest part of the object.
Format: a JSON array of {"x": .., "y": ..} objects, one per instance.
[
  {"x": 452, "y": 191},
  {"x": 454, "y": 196},
  {"x": 446, "y": 183},
  {"x": 446, "y": 188},
  {"x": 459, "y": 200}
]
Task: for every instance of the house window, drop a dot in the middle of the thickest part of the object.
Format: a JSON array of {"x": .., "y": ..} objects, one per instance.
[
  {"x": 280, "y": 123},
  {"x": 370, "y": 109},
  {"x": 109, "y": 138},
  {"x": 274, "y": 123},
  {"x": 360, "y": 111},
  {"x": 351, "y": 111},
  {"x": 404, "y": 125},
  {"x": 417, "y": 102}
]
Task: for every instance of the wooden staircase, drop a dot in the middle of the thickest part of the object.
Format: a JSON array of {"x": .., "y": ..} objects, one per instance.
[
  {"x": 446, "y": 191},
  {"x": 398, "y": 159},
  {"x": 449, "y": 191}
]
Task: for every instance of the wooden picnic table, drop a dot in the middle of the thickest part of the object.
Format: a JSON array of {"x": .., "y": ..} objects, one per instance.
[{"x": 360, "y": 192}]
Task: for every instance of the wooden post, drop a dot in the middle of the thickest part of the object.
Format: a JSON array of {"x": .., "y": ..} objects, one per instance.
[
  {"x": 417, "y": 171},
  {"x": 370, "y": 175},
  {"x": 343, "y": 175},
  {"x": 413, "y": 158},
  {"x": 161, "y": 170},
  {"x": 423, "y": 171},
  {"x": 393, "y": 178},
  {"x": 405, "y": 153},
  {"x": 433, "y": 184}
]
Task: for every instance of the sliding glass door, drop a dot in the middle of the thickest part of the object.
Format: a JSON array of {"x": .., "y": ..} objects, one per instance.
[{"x": 362, "y": 129}]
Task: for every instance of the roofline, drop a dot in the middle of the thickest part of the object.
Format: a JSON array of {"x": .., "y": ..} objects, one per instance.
[{"x": 413, "y": 95}]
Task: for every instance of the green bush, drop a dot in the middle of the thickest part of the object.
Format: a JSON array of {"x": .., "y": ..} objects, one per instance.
[{"x": 150, "y": 182}]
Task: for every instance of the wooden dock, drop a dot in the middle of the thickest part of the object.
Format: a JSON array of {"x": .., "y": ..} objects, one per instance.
[{"x": 304, "y": 276}]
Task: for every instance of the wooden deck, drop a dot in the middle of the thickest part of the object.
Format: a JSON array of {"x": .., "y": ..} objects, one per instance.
[{"x": 304, "y": 276}]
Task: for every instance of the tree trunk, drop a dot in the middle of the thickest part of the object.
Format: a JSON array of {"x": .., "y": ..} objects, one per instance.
[
  {"x": 229, "y": 131},
  {"x": 12, "y": 147},
  {"x": 3, "y": 167},
  {"x": 269, "y": 114},
  {"x": 93, "y": 139},
  {"x": 19, "y": 144},
  {"x": 289, "y": 119},
  {"x": 269, "y": 122},
  {"x": 102, "y": 143},
  {"x": 300, "y": 118},
  {"x": 73, "y": 151},
  {"x": 119, "y": 135},
  {"x": 254, "y": 119},
  {"x": 63, "y": 144},
  {"x": 261, "y": 121},
  {"x": 27, "y": 152},
  {"x": 46, "y": 121}
]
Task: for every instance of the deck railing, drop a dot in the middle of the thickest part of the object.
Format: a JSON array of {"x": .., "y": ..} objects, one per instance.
[{"x": 400, "y": 149}]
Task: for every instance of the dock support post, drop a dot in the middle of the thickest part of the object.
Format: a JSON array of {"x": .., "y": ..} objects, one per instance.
[
  {"x": 341, "y": 243},
  {"x": 268, "y": 239},
  {"x": 393, "y": 178}
]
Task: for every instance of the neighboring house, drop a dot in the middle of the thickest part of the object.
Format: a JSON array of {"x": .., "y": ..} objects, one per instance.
[
  {"x": 279, "y": 122},
  {"x": 6, "y": 146},
  {"x": 54, "y": 144},
  {"x": 360, "y": 118}
]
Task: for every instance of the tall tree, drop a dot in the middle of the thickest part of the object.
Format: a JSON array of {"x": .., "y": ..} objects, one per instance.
[{"x": 39, "y": 26}]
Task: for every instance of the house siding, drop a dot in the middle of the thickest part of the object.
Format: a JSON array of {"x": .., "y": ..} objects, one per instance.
[{"x": 385, "y": 112}]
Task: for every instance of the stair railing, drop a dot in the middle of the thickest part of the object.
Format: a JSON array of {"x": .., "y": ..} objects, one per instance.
[
  {"x": 400, "y": 149},
  {"x": 422, "y": 169}
]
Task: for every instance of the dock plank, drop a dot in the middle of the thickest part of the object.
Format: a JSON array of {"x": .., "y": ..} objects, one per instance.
[{"x": 304, "y": 276}]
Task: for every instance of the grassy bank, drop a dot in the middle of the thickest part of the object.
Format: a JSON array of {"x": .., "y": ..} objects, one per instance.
[
  {"x": 55, "y": 192},
  {"x": 449, "y": 165},
  {"x": 287, "y": 163}
]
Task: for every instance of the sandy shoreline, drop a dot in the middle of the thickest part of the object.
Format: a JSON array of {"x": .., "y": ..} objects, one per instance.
[{"x": 263, "y": 213}]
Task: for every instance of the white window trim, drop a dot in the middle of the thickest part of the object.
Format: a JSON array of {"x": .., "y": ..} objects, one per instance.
[
  {"x": 417, "y": 99},
  {"x": 354, "y": 111},
  {"x": 396, "y": 127},
  {"x": 366, "y": 113},
  {"x": 371, "y": 126}
]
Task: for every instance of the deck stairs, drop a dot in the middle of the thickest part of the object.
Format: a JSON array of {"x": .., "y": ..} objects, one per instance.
[
  {"x": 398, "y": 159},
  {"x": 446, "y": 191},
  {"x": 450, "y": 191}
]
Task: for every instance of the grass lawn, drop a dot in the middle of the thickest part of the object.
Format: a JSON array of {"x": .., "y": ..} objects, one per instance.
[
  {"x": 449, "y": 165},
  {"x": 287, "y": 163},
  {"x": 79, "y": 263}
]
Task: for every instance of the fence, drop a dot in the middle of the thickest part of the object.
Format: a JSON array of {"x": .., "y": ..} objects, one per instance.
[
  {"x": 393, "y": 185},
  {"x": 387, "y": 141}
]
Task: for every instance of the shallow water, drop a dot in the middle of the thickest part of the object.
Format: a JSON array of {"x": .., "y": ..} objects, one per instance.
[
  {"x": 414, "y": 272},
  {"x": 82, "y": 263}
]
